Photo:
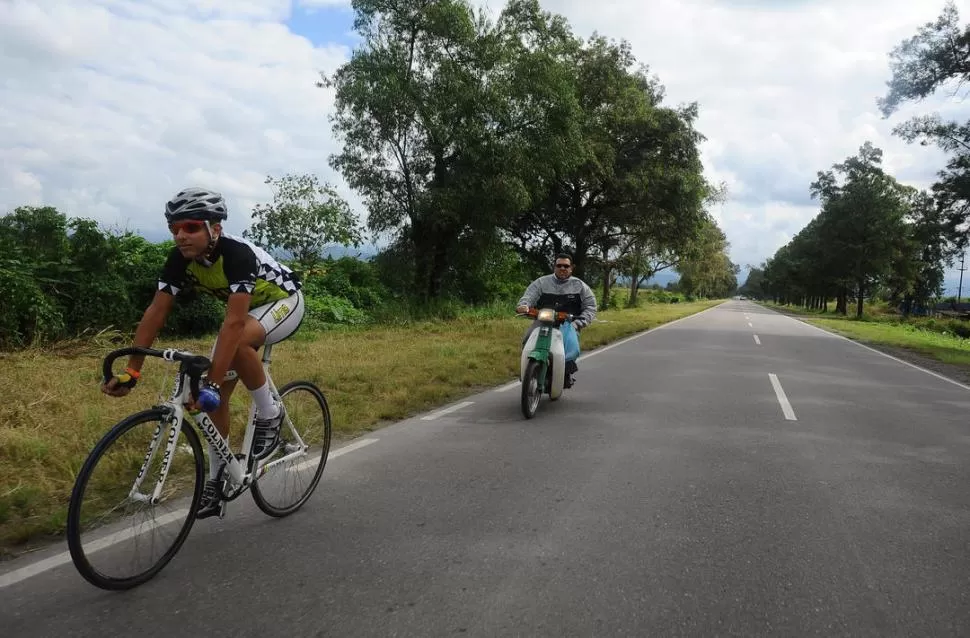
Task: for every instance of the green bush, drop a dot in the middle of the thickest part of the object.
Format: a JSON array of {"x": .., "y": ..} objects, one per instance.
[{"x": 323, "y": 311}]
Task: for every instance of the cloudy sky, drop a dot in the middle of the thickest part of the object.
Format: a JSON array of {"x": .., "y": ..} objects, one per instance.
[{"x": 110, "y": 106}]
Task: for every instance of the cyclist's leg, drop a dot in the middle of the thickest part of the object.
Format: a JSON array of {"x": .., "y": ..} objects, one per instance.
[{"x": 278, "y": 320}]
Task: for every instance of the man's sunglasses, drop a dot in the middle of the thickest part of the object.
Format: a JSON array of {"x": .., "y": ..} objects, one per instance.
[
  {"x": 563, "y": 265},
  {"x": 190, "y": 226}
]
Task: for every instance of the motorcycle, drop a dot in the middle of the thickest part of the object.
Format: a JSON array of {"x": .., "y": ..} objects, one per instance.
[{"x": 542, "y": 368}]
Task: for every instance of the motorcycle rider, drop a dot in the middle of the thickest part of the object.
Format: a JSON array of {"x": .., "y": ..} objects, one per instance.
[{"x": 563, "y": 292}]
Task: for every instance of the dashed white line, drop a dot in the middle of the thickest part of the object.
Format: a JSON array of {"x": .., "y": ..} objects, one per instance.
[
  {"x": 879, "y": 352},
  {"x": 757, "y": 340},
  {"x": 750, "y": 325},
  {"x": 782, "y": 398},
  {"x": 41, "y": 566},
  {"x": 454, "y": 408}
]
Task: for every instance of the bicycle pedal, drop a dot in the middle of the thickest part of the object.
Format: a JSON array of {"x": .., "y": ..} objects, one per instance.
[{"x": 222, "y": 509}]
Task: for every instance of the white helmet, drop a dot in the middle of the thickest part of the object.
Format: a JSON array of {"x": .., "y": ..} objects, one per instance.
[{"x": 196, "y": 203}]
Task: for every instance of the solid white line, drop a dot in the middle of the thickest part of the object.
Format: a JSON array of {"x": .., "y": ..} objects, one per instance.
[
  {"x": 18, "y": 575},
  {"x": 65, "y": 557},
  {"x": 757, "y": 340},
  {"x": 508, "y": 386},
  {"x": 435, "y": 415},
  {"x": 782, "y": 399},
  {"x": 879, "y": 352},
  {"x": 350, "y": 447}
]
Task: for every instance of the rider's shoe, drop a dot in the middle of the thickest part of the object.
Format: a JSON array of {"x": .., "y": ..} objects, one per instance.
[
  {"x": 568, "y": 381},
  {"x": 266, "y": 435},
  {"x": 211, "y": 502}
]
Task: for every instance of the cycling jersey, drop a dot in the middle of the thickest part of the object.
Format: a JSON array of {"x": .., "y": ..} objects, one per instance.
[{"x": 235, "y": 265}]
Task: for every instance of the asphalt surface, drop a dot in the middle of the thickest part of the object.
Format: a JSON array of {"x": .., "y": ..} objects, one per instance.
[{"x": 667, "y": 494}]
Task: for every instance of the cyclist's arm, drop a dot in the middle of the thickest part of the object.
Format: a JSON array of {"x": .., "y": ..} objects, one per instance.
[
  {"x": 150, "y": 325},
  {"x": 170, "y": 282},
  {"x": 237, "y": 309}
]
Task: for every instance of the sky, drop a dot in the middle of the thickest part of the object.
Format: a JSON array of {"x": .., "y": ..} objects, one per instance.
[{"x": 109, "y": 107}]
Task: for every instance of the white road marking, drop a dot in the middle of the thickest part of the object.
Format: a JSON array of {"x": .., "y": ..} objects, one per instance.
[
  {"x": 356, "y": 445},
  {"x": 757, "y": 340},
  {"x": 454, "y": 408},
  {"x": 888, "y": 356},
  {"x": 750, "y": 325},
  {"x": 508, "y": 386},
  {"x": 782, "y": 399},
  {"x": 47, "y": 564}
]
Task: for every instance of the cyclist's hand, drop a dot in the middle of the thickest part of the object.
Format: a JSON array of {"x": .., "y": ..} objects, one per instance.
[
  {"x": 115, "y": 388},
  {"x": 522, "y": 310}
]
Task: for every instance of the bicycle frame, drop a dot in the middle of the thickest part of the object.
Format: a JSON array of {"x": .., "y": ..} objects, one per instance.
[{"x": 241, "y": 472}]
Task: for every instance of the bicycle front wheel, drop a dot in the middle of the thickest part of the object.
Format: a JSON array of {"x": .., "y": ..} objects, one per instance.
[
  {"x": 119, "y": 538},
  {"x": 286, "y": 486}
]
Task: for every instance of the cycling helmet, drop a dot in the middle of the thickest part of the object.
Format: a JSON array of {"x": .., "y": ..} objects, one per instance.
[{"x": 196, "y": 203}]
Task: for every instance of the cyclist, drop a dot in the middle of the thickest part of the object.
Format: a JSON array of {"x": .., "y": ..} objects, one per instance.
[
  {"x": 561, "y": 291},
  {"x": 264, "y": 305}
]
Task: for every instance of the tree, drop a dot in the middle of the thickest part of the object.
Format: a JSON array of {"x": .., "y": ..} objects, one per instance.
[
  {"x": 447, "y": 120},
  {"x": 706, "y": 269},
  {"x": 937, "y": 56},
  {"x": 637, "y": 177},
  {"x": 304, "y": 218},
  {"x": 861, "y": 219}
]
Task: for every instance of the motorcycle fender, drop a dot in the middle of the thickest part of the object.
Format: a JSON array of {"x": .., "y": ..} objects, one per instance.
[
  {"x": 527, "y": 349},
  {"x": 558, "y": 352}
]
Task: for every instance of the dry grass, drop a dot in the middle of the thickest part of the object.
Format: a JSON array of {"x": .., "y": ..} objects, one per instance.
[{"x": 370, "y": 376}]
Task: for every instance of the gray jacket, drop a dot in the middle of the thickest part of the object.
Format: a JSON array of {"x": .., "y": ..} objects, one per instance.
[{"x": 571, "y": 295}]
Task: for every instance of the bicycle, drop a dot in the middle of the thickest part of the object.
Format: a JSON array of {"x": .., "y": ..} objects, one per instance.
[{"x": 180, "y": 479}]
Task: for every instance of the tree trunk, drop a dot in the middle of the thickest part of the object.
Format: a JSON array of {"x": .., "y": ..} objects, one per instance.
[
  {"x": 862, "y": 290},
  {"x": 842, "y": 301},
  {"x": 607, "y": 281}
]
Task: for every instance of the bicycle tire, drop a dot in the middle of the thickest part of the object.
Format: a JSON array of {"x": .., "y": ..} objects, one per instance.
[
  {"x": 261, "y": 502},
  {"x": 78, "y": 555}
]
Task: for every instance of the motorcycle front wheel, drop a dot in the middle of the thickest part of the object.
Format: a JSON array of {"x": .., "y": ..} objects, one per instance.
[{"x": 531, "y": 390}]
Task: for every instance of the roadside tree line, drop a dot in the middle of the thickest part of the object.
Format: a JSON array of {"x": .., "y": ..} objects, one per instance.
[{"x": 875, "y": 237}]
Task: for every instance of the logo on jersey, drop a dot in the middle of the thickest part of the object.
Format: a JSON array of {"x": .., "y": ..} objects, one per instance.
[{"x": 280, "y": 313}]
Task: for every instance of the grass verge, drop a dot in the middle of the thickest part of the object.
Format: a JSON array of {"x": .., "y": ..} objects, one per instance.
[
  {"x": 370, "y": 376},
  {"x": 926, "y": 337}
]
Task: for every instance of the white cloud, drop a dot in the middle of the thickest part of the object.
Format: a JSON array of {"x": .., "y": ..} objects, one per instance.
[{"x": 108, "y": 106}]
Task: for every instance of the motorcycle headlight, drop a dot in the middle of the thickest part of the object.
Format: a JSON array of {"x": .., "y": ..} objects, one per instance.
[{"x": 547, "y": 314}]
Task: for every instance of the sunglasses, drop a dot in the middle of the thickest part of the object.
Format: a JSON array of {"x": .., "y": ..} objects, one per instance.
[
  {"x": 563, "y": 266},
  {"x": 189, "y": 226}
]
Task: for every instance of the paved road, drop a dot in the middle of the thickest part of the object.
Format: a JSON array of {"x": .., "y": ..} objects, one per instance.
[{"x": 677, "y": 490}]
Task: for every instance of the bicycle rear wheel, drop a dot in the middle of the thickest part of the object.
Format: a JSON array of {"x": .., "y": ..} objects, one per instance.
[
  {"x": 103, "y": 517},
  {"x": 287, "y": 486}
]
